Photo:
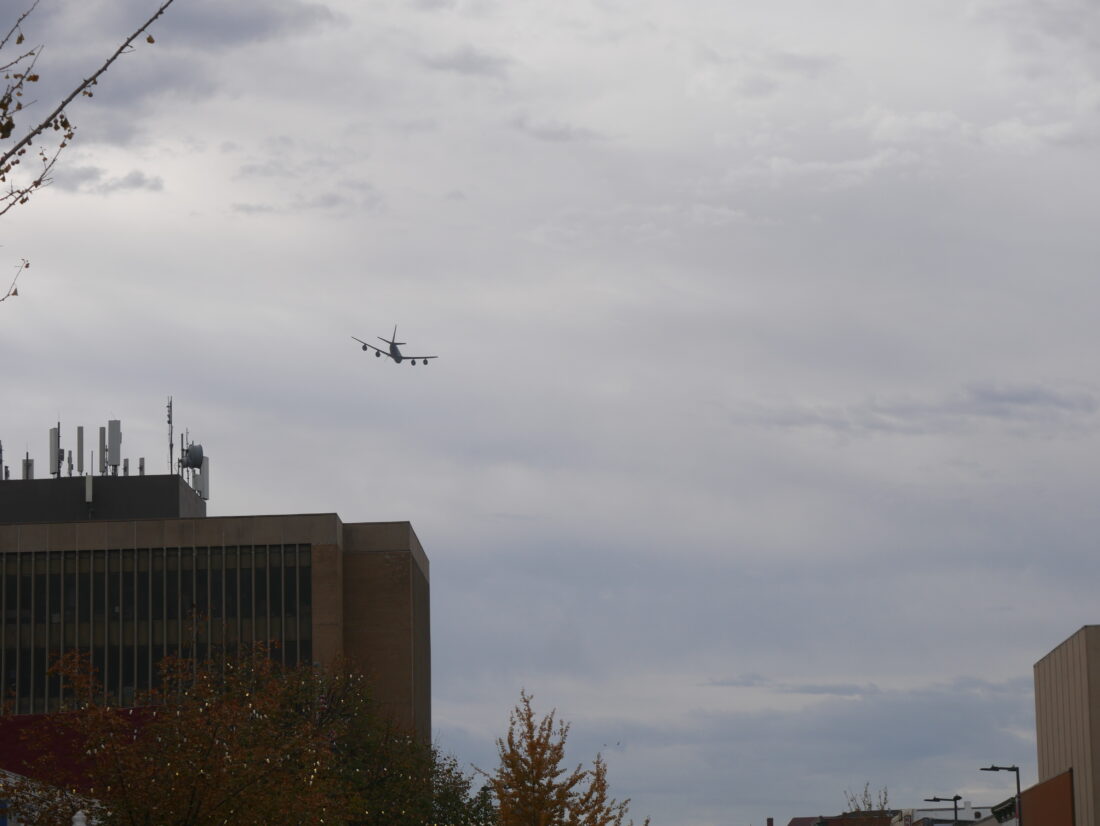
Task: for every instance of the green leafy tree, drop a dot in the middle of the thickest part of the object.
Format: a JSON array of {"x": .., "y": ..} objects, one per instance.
[
  {"x": 392, "y": 778},
  {"x": 533, "y": 787},
  {"x": 454, "y": 803}
]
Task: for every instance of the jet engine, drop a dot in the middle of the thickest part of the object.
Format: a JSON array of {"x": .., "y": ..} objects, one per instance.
[{"x": 365, "y": 348}]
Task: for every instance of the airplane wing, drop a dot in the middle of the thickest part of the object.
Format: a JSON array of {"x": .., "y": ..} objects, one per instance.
[
  {"x": 367, "y": 346},
  {"x": 417, "y": 358}
]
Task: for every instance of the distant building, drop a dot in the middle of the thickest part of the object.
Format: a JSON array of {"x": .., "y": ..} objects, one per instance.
[
  {"x": 130, "y": 569},
  {"x": 876, "y": 817},
  {"x": 967, "y": 813}
]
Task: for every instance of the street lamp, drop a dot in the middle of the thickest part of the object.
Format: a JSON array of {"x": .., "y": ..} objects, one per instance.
[
  {"x": 954, "y": 800},
  {"x": 1019, "y": 809}
]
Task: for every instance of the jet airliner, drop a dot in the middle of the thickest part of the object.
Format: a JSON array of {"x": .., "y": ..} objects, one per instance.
[{"x": 393, "y": 351}]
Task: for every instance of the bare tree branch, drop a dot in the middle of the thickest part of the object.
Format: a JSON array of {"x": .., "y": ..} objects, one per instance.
[
  {"x": 19, "y": 72},
  {"x": 48, "y": 121},
  {"x": 15, "y": 26},
  {"x": 12, "y": 291}
]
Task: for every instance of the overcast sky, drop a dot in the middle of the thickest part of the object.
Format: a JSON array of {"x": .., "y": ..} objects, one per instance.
[{"x": 763, "y": 438}]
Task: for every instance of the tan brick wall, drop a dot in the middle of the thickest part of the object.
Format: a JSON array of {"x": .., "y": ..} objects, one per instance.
[
  {"x": 387, "y": 619},
  {"x": 328, "y": 603},
  {"x": 369, "y": 587},
  {"x": 1067, "y": 718}
]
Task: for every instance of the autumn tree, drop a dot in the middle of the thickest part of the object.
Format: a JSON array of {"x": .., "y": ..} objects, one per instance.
[
  {"x": 30, "y": 150},
  {"x": 242, "y": 742},
  {"x": 533, "y": 787}
]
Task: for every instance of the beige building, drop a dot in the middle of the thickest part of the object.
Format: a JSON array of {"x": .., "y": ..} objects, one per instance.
[
  {"x": 1067, "y": 720},
  {"x": 130, "y": 591}
]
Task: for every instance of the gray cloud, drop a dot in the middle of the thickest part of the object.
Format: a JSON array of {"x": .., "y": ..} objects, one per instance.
[
  {"x": 1030, "y": 409},
  {"x": 467, "y": 60},
  {"x": 180, "y": 63},
  {"x": 808, "y": 65},
  {"x": 266, "y": 169},
  {"x": 95, "y": 180},
  {"x": 254, "y": 209},
  {"x": 210, "y": 25},
  {"x": 135, "y": 179},
  {"x": 360, "y": 195},
  {"x": 781, "y": 687},
  {"x": 554, "y": 132}
]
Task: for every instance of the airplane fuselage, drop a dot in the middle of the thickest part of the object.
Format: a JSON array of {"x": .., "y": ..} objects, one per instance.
[{"x": 395, "y": 354}]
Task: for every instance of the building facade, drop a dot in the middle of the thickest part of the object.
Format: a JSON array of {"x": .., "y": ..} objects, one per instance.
[
  {"x": 130, "y": 591},
  {"x": 1067, "y": 720}
]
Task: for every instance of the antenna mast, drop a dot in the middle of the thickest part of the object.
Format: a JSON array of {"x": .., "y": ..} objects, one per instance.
[{"x": 171, "y": 444}]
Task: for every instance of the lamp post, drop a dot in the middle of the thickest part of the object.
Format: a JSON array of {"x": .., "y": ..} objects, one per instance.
[
  {"x": 1016, "y": 769},
  {"x": 955, "y": 800}
]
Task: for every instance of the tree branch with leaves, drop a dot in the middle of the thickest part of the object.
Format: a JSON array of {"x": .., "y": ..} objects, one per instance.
[{"x": 19, "y": 180}]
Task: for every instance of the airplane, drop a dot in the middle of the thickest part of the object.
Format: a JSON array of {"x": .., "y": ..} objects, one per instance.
[{"x": 393, "y": 352}]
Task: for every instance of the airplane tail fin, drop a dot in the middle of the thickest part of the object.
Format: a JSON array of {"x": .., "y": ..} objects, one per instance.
[{"x": 392, "y": 340}]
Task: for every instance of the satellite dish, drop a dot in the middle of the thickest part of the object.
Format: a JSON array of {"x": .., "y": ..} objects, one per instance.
[{"x": 192, "y": 457}]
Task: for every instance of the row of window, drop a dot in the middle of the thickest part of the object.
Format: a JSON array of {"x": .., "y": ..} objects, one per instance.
[
  {"x": 29, "y": 687},
  {"x": 129, "y": 608},
  {"x": 159, "y": 583}
]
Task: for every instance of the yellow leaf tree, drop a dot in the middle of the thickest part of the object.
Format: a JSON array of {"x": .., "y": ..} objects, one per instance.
[{"x": 533, "y": 787}]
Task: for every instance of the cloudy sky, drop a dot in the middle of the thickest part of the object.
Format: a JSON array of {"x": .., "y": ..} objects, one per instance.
[{"x": 764, "y": 433}]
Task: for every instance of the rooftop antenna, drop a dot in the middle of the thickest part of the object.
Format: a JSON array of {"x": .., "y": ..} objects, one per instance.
[
  {"x": 171, "y": 442},
  {"x": 114, "y": 445},
  {"x": 55, "y": 451}
]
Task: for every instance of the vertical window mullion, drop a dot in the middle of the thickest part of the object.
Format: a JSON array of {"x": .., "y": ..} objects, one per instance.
[
  {"x": 18, "y": 628},
  {"x": 106, "y": 622},
  {"x": 34, "y": 623},
  {"x": 3, "y": 622},
  {"x": 121, "y": 644},
  {"x": 240, "y": 613},
  {"x": 47, "y": 617},
  {"x": 267, "y": 593},
  {"x": 149, "y": 625},
  {"x": 61, "y": 629},
  {"x": 297, "y": 607}
]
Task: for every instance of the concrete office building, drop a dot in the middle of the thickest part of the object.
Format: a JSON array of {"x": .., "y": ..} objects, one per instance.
[
  {"x": 130, "y": 569},
  {"x": 1067, "y": 721}
]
